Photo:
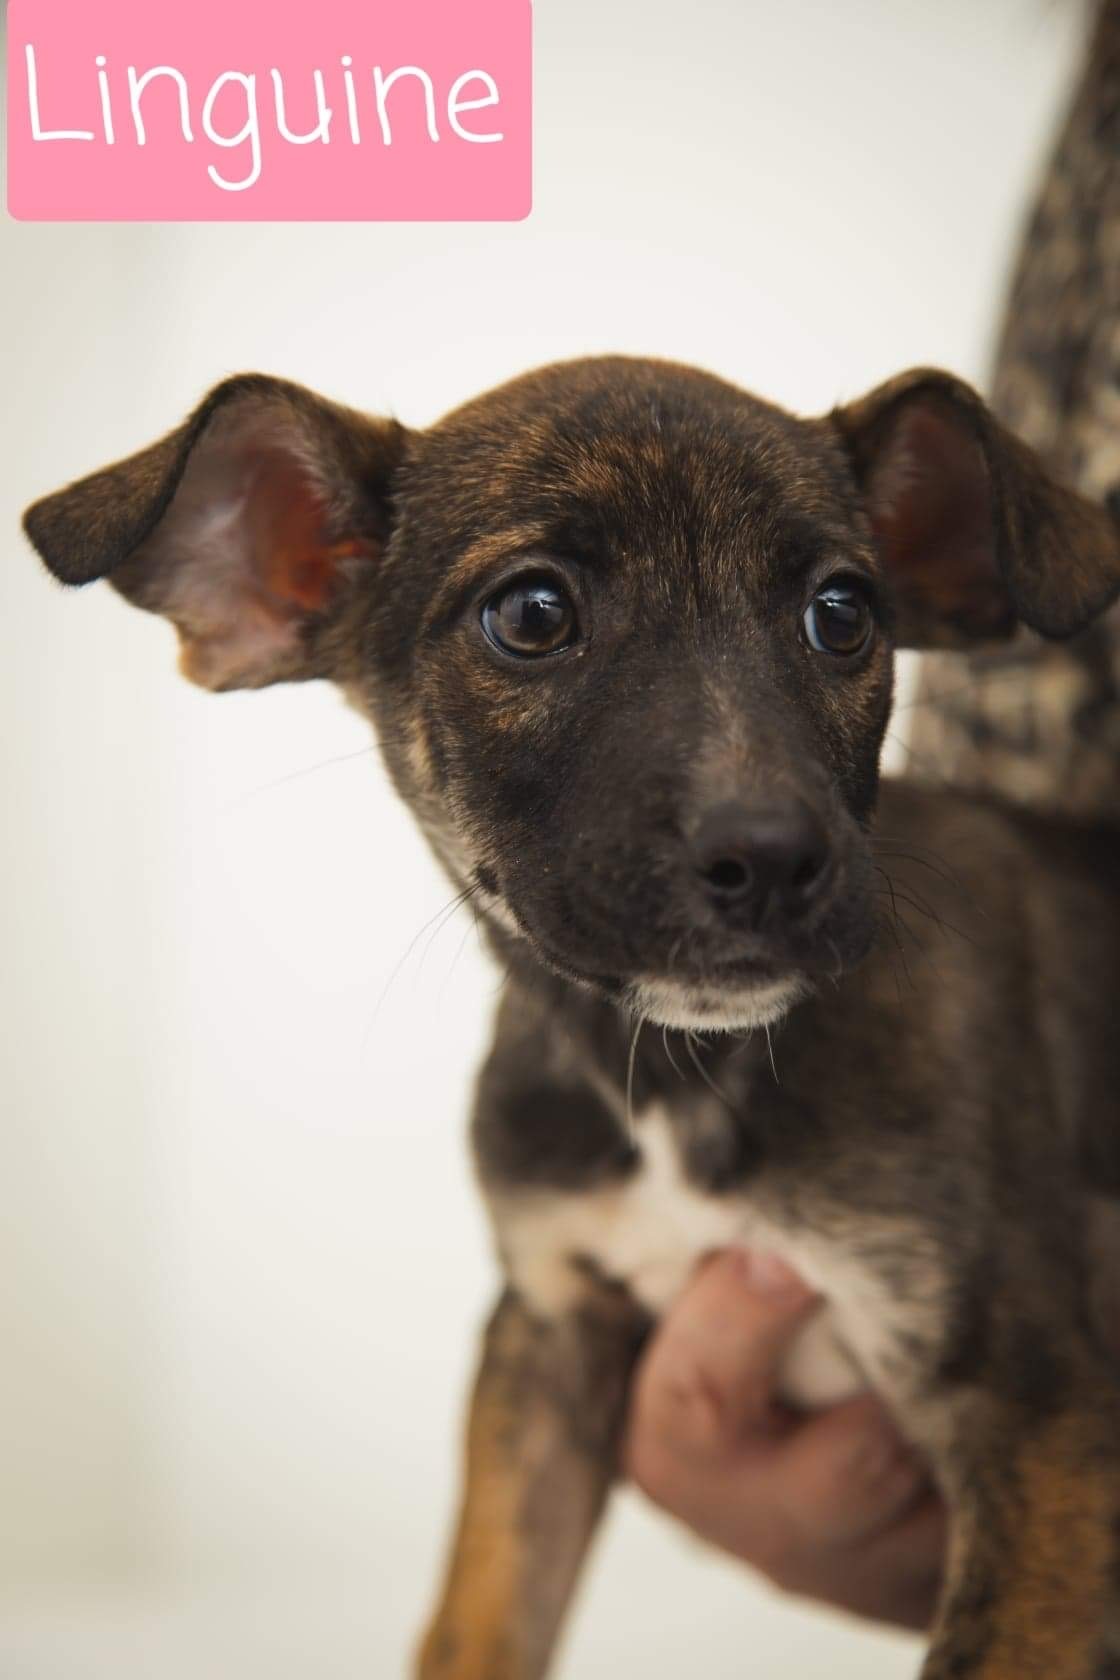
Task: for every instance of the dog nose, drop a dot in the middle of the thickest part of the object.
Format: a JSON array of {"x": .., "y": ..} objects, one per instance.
[{"x": 762, "y": 857}]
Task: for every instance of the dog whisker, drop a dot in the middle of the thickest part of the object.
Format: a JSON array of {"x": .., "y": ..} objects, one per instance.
[
  {"x": 690, "y": 1046},
  {"x": 298, "y": 776},
  {"x": 452, "y": 905},
  {"x": 460, "y": 948},
  {"x": 770, "y": 1048},
  {"x": 923, "y": 909},
  {"x": 918, "y": 944},
  {"x": 886, "y": 846},
  {"x": 672, "y": 1059},
  {"x": 879, "y": 870},
  {"x": 891, "y": 924},
  {"x": 941, "y": 870},
  {"x": 448, "y": 915},
  {"x": 631, "y": 1129}
]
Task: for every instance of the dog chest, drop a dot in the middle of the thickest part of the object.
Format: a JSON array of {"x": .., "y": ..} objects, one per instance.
[{"x": 651, "y": 1230}]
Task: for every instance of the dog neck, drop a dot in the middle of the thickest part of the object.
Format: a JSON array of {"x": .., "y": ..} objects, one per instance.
[{"x": 642, "y": 1062}]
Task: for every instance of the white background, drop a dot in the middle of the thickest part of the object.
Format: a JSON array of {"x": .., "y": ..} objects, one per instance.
[{"x": 241, "y": 1263}]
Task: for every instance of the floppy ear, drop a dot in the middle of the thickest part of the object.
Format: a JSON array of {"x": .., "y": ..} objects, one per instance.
[
  {"x": 975, "y": 534},
  {"x": 247, "y": 527}
]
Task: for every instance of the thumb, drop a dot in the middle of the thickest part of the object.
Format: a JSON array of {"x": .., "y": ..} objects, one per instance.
[{"x": 708, "y": 1378}]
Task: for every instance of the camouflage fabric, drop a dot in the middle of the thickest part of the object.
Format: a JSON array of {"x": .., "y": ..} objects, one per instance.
[{"x": 1041, "y": 723}]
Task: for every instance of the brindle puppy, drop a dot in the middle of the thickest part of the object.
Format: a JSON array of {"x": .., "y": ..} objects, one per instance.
[{"x": 626, "y": 633}]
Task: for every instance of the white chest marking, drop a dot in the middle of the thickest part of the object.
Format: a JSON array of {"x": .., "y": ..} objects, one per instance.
[{"x": 650, "y": 1231}]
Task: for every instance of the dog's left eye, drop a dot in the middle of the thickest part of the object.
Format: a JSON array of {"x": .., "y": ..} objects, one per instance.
[
  {"x": 530, "y": 618},
  {"x": 839, "y": 619}
]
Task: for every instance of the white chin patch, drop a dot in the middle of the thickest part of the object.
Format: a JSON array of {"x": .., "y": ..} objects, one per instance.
[{"x": 698, "y": 1009}]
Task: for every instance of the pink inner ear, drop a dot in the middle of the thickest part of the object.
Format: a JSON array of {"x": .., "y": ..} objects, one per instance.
[
  {"x": 286, "y": 519},
  {"x": 930, "y": 502}
]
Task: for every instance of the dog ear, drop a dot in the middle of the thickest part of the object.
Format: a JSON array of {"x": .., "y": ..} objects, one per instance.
[
  {"x": 975, "y": 534},
  {"x": 248, "y": 527}
]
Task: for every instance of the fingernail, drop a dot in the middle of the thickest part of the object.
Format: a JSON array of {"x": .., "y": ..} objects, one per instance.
[{"x": 767, "y": 1274}]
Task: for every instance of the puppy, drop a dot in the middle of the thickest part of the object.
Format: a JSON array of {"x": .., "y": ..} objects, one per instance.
[{"x": 626, "y": 635}]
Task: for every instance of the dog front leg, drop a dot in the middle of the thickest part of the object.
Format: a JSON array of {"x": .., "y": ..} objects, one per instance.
[
  {"x": 542, "y": 1445},
  {"x": 1033, "y": 1544}
]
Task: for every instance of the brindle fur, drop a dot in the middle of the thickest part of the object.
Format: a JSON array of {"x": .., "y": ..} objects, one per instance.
[
  {"x": 942, "y": 1117},
  {"x": 542, "y": 1443},
  {"x": 933, "y": 1134}
]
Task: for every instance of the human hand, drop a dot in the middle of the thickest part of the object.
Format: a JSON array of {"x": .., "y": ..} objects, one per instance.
[{"x": 831, "y": 1505}]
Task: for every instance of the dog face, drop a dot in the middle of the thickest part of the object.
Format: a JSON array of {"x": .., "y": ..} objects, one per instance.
[
  {"x": 651, "y": 687},
  {"x": 625, "y": 632}
]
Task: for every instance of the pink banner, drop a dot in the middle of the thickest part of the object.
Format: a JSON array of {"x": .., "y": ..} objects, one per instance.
[{"x": 241, "y": 110}]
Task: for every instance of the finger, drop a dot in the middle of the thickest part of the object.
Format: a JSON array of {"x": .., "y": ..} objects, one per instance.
[
  {"x": 708, "y": 1378},
  {"x": 803, "y": 1500},
  {"x": 881, "y": 1556},
  {"x": 894, "y": 1578},
  {"x": 846, "y": 1474}
]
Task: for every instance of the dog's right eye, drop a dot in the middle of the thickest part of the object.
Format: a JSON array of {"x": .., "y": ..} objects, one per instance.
[{"x": 530, "y": 618}]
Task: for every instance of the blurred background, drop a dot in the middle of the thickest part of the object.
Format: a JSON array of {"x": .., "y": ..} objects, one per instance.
[{"x": 242, "y": 1266}]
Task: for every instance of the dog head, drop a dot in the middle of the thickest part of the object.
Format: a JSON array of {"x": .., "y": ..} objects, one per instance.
[{"x": 625, "y": 631}]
